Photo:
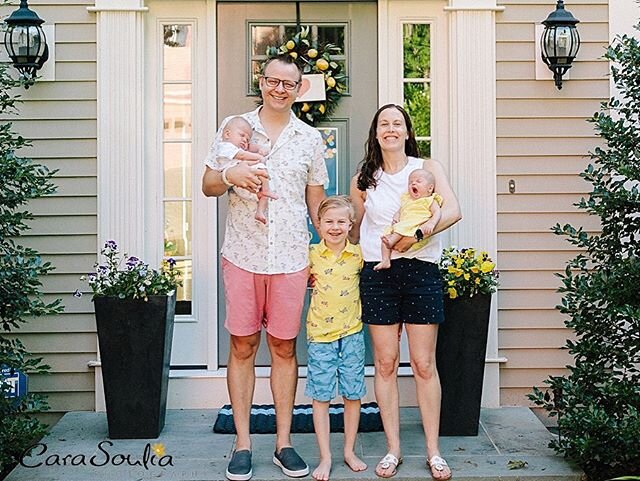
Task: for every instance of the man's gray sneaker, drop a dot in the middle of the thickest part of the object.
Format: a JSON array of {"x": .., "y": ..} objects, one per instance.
[
  {"x": 290, "y": 462},
  {"x": 239, "y": 468}
]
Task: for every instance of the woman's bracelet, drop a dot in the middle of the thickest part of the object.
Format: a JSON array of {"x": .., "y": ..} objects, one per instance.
[{"x": 224, "y": 176}]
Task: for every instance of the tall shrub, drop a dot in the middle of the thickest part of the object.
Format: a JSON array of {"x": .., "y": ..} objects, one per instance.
[
  {"x": 21, "y": 180},
  {"x": 598, "y": 402}
]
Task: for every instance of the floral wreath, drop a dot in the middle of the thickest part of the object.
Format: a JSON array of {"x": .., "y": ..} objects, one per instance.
[{"x": 314, "y": 59}]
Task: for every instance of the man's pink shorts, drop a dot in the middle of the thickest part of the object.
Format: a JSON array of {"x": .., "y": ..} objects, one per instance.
[{"x": 274, "y": 301}]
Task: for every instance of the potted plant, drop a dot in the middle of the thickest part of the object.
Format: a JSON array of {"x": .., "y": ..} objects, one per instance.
[
  {"x": 469, "y": 279},
  {"x": 134, "y": 307}
]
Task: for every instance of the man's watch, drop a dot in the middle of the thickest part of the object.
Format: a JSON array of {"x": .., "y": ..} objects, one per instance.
[{"x": 419, "y": 235}]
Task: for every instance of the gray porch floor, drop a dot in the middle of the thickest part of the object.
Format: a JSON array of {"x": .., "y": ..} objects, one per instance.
[{"x": 506, "y": 434}]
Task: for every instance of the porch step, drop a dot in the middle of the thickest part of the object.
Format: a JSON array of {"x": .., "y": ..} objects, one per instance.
[{"x": 192, "y": 452}]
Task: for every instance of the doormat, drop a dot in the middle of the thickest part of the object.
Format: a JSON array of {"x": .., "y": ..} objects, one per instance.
[{"x": 263, "y": 419}]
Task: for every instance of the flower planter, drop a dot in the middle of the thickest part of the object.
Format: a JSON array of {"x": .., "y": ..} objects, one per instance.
[
  {"x": 460, "y": 357},
  {"x": 135, "y": 339}
]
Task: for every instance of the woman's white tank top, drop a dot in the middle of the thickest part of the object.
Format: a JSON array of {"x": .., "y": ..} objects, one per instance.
[{"x": 381, "y": 204}]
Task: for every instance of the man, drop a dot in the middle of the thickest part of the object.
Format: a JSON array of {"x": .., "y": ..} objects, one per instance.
[{"x": 265, "y": 267}]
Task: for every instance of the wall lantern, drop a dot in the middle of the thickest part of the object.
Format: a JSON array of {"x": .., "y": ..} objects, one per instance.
[
  {"x": 25, "y": 42},
  {"x": 559, "y": 42}
]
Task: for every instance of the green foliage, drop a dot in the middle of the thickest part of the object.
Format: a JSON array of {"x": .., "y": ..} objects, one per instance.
[
  {"x": 598, "y": 402},
  {"x": 134, "y": 279},
  {"x": 20, "y": 269}
]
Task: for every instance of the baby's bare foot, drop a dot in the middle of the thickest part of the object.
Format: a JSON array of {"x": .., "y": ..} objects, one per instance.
[
  {"x": 354, "y": 462},
  {"x": 260, "y": 217},
  {"x": 384, "y": 264},
  {"x": 321, "y": 473}
]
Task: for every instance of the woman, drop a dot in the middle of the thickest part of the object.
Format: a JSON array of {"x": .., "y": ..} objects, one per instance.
[{"x": 408, "y": 293}]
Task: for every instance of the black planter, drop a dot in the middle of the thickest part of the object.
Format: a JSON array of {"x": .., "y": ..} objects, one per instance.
[
  {"x": 135, "y": 339},
  {"x": 460, "y": 355}
]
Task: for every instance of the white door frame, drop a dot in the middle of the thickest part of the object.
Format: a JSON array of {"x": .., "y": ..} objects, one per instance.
[{"x": 463, "y": 119}]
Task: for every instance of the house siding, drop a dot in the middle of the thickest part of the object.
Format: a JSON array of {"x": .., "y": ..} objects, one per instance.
[
  {"x": 60, "y": 118},
  {"x": 542, "y": 144}
]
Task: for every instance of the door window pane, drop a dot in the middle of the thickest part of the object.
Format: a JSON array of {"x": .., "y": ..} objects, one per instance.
[
  {"x": 263, "y": 36},
  {"x": 416, "y": 60},
  {"x": 272, "y": 35},
  {"x": 177, "y": 169},
  {"x": 177, "y": 111},
  {"x": 417, "y": 50},
  {"x": 177, "y": 118},
  {"x": 184, "y": 292},
  {"x": 177, "y": 52},
  {"x": 417, "y": 101},
  {"x": 177, "y": 228}
]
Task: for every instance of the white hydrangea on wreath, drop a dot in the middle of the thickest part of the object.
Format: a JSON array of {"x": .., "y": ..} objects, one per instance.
[{"x": 314, "y": 59}]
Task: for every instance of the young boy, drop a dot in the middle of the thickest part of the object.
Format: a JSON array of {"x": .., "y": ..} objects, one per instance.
[
  {"x": 334, "y": 331},
  {"x": 236, "y": 146}
]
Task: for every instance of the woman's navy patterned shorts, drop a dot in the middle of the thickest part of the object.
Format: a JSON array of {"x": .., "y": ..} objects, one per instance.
[{"x": 410, "y": 292}]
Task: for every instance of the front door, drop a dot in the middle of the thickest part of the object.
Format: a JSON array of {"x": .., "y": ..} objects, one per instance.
[{"x": 244, "y": 30}]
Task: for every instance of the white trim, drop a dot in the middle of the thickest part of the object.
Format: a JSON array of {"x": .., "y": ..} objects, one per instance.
[
  {"x": 472, "y": 63},
  {"x": 623, "y": 16}
]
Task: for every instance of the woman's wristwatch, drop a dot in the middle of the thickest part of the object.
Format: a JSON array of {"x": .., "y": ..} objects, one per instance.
[{"x": 418, "y": 235}]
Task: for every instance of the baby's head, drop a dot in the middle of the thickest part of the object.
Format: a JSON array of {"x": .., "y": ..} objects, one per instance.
[
  {"x": 336, "y": 216},
  {"x": 421, "y": 183},
  {"x": 238, "y": 132}
]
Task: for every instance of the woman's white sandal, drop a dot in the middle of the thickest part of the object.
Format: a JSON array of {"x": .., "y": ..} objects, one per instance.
[
  {"x": 388, "y": 461},
  {"x": 439, "y": 464}
]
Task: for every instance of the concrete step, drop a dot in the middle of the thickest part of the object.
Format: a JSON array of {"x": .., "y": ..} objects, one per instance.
[{"x": 187, "y": 450}]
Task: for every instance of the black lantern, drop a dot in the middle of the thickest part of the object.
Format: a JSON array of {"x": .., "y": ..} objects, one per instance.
[
  {"x": 25, "y": 42},
  {"x": 560, "y": 42}
]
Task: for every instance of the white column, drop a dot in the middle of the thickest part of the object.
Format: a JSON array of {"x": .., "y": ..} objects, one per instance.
[
  {"x": 472, "y": 63},
  {"x": 623, "y": 16},
  {"x": 121, "y": 182}
]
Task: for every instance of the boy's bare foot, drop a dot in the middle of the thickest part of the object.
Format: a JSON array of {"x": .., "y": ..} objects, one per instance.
[
  {"x": 354, "y": 462},
  {"x": 260, "y": 217},
  {"x": 383, "y": 264},
  {"x": 321, "y": 473}
]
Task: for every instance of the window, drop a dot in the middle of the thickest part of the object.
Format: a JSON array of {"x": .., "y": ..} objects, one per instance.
[
  {"x": 269, "y": 35},
  {"x": 177, "y": 140},
  {"x": 417, "y": 81}
]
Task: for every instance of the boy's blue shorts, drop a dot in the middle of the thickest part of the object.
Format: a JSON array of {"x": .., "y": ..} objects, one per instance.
[{"x": 339, "y": 362}]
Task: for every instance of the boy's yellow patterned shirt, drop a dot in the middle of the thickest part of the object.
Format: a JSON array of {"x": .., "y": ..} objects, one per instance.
[{"x": 335, "y": 309}]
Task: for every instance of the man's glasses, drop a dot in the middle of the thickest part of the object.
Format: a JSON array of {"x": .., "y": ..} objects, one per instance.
[{"x": 273, "y": 82}]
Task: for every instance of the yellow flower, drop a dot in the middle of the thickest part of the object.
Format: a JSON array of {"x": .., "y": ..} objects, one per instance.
[
  {"x": 331, "y": 82},
  {"x": 467, "y": 276},
  {"x": 294, "y": 54},
  {"x": 322, "y": 64},
  {"x": 305, "y": 107},
  {"x": 470, "y": 252},
  {"x": 451, "y": 269},
  {"x": 321, "y": 108},
  {"x": 487, "y": 266},
  {"x": 312, "y": 53},
  {"x": 452, "y": 292},
  {"x": 477, "y": 281},
  {"x": 458, "y": 272},
  {"x": 475, "y": 269},
  {"x": 291, "y": 45},
  {"x": 158, "y": 449},
  {"x": 459, "y": 261},
  {"x": 452, "y": 283}
]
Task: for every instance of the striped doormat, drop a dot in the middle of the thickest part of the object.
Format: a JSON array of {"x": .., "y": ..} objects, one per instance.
[{"x": 263, "y": 419}]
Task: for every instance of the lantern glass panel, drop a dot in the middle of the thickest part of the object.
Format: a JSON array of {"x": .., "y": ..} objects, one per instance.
[
  {"x": 548, "y": 42},
  {"x": 563, "y": 41}
]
